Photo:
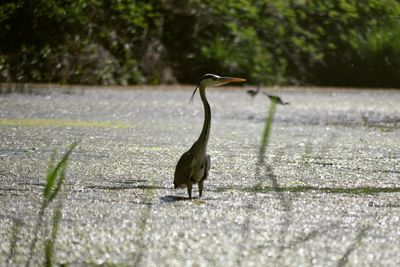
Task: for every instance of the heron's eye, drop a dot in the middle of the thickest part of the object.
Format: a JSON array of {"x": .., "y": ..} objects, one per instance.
[{"x": 214, "y": 78}]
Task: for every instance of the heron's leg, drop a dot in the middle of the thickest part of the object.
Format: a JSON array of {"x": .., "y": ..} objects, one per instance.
[
  {"x": 201, "y": 188},
  {"x": 189, "y": 189}
]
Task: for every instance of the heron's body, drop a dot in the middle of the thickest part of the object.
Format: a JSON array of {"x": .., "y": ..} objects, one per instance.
[
  {"x": 194, "y": 165},
  {"x": 191, "y": 170}
]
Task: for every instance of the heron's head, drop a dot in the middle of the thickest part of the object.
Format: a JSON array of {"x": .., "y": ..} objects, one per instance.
[{"x": 209, "y": 80}]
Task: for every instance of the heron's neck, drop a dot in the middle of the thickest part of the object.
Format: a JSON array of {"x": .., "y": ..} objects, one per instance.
[{"x": 205, "y": 133}]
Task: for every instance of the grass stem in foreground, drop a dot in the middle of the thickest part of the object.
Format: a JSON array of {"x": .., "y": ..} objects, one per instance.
[{"x": 55, "y": 177}]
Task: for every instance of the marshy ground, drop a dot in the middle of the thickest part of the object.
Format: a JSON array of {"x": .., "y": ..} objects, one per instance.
[{"x": 328, "y": 193}]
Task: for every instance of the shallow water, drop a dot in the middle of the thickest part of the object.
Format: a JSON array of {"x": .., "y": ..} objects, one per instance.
[{"x": 335, "y": 156}]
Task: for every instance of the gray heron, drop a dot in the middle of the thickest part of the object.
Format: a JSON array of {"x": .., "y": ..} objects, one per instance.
[{"x": 194, "y": 165}]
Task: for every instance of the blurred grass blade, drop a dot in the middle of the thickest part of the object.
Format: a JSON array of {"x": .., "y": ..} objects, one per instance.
[
  {"x": 51, "y": 176},
  {"x": 50, "y": 192},
  {"x": 343, "y": 261},
  {"x": 59, "y": 181},
  {"x": 267, "y": 128},
  {"x": 49, "y": 246},
  {"x": 14, "y": 238}
]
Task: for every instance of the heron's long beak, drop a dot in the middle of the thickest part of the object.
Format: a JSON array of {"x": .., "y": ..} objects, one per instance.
[{"x": 225, "y": 80}]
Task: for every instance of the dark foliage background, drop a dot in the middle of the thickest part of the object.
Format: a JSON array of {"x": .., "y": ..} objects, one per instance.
[{"x": 336, "y": 42}]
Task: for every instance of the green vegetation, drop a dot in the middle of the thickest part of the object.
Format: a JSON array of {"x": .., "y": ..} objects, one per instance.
[
  {"x": 267, "y": 128},
  {"x": 265, "y": 139},
  {"x": 331, "y": 190},
  {"x": 63, "y": 123},
  {"x": 49, "y": 245},
  {"x": 343, "y": 43},
  {"x": 55, "y": 178},
  {"x": 16, "y": 227}
]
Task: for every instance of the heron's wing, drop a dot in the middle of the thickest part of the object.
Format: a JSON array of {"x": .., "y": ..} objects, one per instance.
[{"x": 184, "y": 169}]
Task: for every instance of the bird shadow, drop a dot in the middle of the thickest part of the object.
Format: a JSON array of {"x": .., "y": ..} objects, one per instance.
[{"x": 173, "y": 199}]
